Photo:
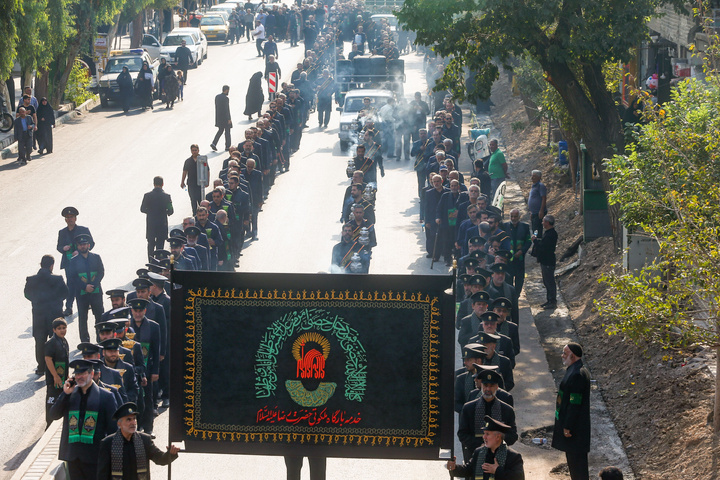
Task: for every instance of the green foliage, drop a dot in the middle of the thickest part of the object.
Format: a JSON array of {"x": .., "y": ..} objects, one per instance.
[
  {"x": 8, "y": 35},
  {"x": 667, "y": 188},
  {"x": 77, "y": 85}
]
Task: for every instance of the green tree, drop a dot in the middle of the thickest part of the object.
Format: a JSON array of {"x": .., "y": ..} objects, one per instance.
[
  {"x": 571, "y": 40},
  {"x": 8, "y": 35},
  {"x": 87, "y": 16},
  {"x": 667, "y": 188}
]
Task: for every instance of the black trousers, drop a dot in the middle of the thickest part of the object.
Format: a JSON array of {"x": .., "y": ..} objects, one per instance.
[
  {"x": 258, "y": 45},
  {"x": 536, "y": 224},
  {"x": 294, "y": 465},
  {"x": 220, "y": 131},
  {"x": 155, "y": 241},
  {"x": 195, "y": 197},
  {"x": 517, "y": 274},
  {"x": 431, "y": 229},
  {"x": 548, "y": 278},
  {"x": 70, "y": 301},
  {"x": 41, "y": 331},
  {"x": 80, "y": 470},
  {"x": 148, "y": 415},
  {"x": 164, "y": 381},
  {"x": 25, "y": 146},
  {"x": 324, "y": 109},
  {"x": 578, "y": 465},
  {"x": 86, "y": 302}
]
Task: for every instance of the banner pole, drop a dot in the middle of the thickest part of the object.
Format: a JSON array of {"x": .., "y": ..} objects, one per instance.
[{"x": 167, "y": 359}]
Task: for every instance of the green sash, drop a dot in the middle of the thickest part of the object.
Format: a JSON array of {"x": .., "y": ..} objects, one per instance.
[
  {"x": 145, "y": 351},
  {"x": 84, "y": 279},
  {"x": 557, "y": 404},
  {"x": 452, "y": 216},
  {"x": 61, "y": 369},
  {"x": 84, "y": 433}
]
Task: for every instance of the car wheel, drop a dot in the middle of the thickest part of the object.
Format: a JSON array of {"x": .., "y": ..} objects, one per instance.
[
  {"x": 104, "y": 102},
  {"x": 205, "y": 55}
]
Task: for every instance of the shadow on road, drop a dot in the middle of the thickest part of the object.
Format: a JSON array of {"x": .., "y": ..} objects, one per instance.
[{"x": 16, "y": 461}]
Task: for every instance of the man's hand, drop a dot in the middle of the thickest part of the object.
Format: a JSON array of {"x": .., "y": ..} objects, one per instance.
[
  {"x": 68, "y": 387},
  {"x": 566, "y": 432},
  {"x": 57, "y": 381},
  {"x": 66, "y": 248},
  {"x": 89, "y": 288},
  {"x": 451, "y": 464},
  {"x": 154, "y": 377},
  {"x": 437, "y": 220},
  {"x": 162, "y": 357},
  {"x": 490, "y": 467},
  {"x": 518, "y": 253},
  {"x": 173, "y": 449},
  {"x": 182, "y": 184},
  {"x": 143, "y": 382},
  {"x": 211, "y": 242}
]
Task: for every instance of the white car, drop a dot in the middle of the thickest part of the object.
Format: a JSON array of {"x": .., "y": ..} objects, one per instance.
[
  {"x": 195, "y": 40},
  {"x": 352, "y": 105}
]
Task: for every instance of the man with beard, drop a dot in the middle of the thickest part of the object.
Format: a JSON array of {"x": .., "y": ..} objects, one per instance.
[
  {"x": 504, "y": 344},
  {"x": 111, "y": 359},
  {"x": 498, "y": 287},
  {"x": 147, "y": 333},
  {"x": 67, "y": 248},
  {"x": 473, "y": 353},
  {"x": 470, "y": 324},
  {"x": 87, "y": 411},
  {"x": 87, "y": 271},
  {"x": 356, "y": 198},
  {"x": 498, "y": 461},
  {"x": 213, "y": 234},
  {"x": 520, "y": 243},
  {"x": 571, "y": 433},
  {"x": 358, "y": 221},
  {"x": 342, "y": 252},
  {"x": 125, "y": 454},
  {"x": 473, "y": 413}
]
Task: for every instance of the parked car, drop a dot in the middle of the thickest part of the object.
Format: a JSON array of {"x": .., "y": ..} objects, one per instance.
[
  {"x": 215, "y": 28},
  {"x": 151, "y": 45},
  {"x": 107, "y": 86},
  {"x": 195, "y": 40}
]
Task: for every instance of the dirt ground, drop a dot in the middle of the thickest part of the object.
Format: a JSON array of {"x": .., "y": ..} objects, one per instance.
[{"x": 660, "y": 403}]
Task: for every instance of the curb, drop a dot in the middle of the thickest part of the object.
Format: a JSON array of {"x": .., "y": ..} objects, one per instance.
[
  {"x": 9, "y": 145},
  {"x": 42, "y": 462}
]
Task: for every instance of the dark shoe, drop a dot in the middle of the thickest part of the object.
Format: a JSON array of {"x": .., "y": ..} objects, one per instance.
[
  {"x": 550, "y": 306},
  {"x": 155, "y": 412},
  {"x": 165, "y": 403},
  {"x": 40, "y": 151},
  {"x": 542, "y": 305},
  {"x": 212, "y": 145},
  {"x": 67, "y": 312},
  {"x": 429, "y": 255},
  {"x": 40, "y": 371}
]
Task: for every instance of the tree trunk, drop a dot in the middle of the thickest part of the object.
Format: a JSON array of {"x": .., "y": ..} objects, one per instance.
[
  {"x": 137, "y": 31},
  {"x": 597, "y": 121},
  {"x": 112, "y": 32},
  {"x": 716, "y": 410},
  {"x": 41, "y": 83},
  {"x": 63, "y": 68}
]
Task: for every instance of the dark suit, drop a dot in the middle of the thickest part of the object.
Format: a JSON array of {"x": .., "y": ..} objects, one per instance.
[
  {"x": 545, "y": 250},
  {"x": 466, "y": 431},
  {"x": 157, "y": 205},
  {"x": 24, "y": 137},
  {"x": 87, "y": 271},
  {"x": 46, "y": 292},
  {"x": 129, "y": 461},
  {"x": 222, "y": 118},
  {"x": 512, "y": 470},
  {"x": 82, "y": 458},
  {"x": 572, "y": 412}
]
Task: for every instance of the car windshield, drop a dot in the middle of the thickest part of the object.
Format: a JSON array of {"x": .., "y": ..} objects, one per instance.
[
  {"x": 115, "y": 65},
  {"x": 174, "y": 40},
  {"x": 355, "y": 104},
  {"x": 212, "y": 21}
]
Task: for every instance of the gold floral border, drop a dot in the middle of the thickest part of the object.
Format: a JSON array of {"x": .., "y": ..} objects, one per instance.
[{"x": 330, "y": 436}]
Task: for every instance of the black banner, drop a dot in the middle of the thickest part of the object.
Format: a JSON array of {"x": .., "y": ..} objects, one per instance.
[{"x": 334, "y": 365}]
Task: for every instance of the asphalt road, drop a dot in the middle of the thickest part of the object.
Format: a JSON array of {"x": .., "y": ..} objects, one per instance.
[{"x": 104, "y": 162}]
